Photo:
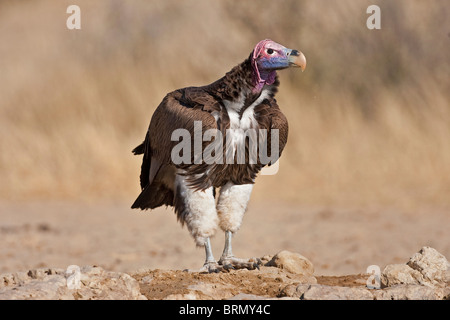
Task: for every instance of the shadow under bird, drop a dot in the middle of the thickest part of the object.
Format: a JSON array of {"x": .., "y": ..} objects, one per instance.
[{"x": 241, "y": 100}]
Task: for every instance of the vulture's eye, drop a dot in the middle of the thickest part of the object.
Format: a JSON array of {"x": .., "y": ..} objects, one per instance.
[{"x": 269, "y": 51}]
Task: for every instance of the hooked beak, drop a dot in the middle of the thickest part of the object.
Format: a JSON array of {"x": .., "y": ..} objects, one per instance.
[{"x": 297, "y": 59}]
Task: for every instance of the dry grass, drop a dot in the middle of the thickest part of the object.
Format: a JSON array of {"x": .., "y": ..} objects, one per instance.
[{"x": 369, "y": 119}]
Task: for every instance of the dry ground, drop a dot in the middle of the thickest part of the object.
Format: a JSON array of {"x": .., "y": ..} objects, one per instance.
[
  {"x": 266, "y": 282},
  {"x": 337, "y": 241}
]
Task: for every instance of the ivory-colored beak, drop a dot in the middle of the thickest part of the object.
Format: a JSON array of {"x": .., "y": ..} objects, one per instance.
[{"x": 297, "y": 59}]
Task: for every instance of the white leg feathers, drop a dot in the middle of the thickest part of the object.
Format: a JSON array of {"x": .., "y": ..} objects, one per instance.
[
  {"x": 197, "y": 209},
  {"x": 232, "y": 204}
]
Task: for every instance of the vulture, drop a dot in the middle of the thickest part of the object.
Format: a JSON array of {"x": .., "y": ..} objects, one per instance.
[{"x": 208, "y": 175}]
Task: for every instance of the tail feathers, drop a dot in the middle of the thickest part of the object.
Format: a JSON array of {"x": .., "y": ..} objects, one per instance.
[
  {"x": 153, "y": 196},
  {"x": 140, "y": 149}
]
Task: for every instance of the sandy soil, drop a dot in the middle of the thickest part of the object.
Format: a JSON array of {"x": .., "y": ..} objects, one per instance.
[
  {"x": 110, "y": 235},
  {"x": 266, "y": 282}
]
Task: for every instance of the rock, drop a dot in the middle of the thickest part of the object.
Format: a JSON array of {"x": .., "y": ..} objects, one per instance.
[
  {"x": 397, "y": 292},
  {"x": 246, "y": 296},
  {"x": 446, "y": 293},
  {"x": 322, "y": 292},
  {"x": 431, "y": 264},
  {"x": 285, "y": 276},
  {"x": 408, "y": 292},
  {"x": 49, "y": 288},
  {"x": 94, "y": 284},
  {"x": 394, "y": 274},
  {"x": 292, "y": 262},
  {"x": 427, "y": 267},
  {"x": 290, "y": 291},
  {"x": 294, "y": 291},
  {"x": 42, "y": 273},
  {"x": 179, "y": 296},
  {"x": 16, "y": 278},
  {"x": 211, "y": 290},
  {"x": 265, "y": 259}
]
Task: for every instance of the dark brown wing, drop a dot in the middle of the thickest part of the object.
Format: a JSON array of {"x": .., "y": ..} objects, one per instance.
[
  {"x": 178, "y": 110},
  {"x": 269, "y": 117},
  {"x": 144, "y": 149}
]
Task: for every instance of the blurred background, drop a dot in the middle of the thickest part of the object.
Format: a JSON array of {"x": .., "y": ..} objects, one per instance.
[{"x": 369, "y": 118}]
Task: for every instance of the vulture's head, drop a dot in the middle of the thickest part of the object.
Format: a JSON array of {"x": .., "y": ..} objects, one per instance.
[{"x": 269, "y": 56}]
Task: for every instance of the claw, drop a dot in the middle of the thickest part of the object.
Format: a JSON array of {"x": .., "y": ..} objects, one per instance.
[
  {"x": 228, "y": 267},
  {"x": 211, "y": 267},
  {"x": 256, "y": 263}
]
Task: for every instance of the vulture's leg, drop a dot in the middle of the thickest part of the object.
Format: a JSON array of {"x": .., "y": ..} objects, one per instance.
[
  {"x": 210, "y": 264},
  {"x": 231, "y": 207},
  {"x": 197, "y": 209}
]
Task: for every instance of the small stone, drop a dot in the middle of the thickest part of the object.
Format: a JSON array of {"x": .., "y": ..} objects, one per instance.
[
  {"x": 20, "y": 278},
  {"x": 147, "y": 279},
  {"x": 301, "y": 289},
  {"x": 294, "y": 291},
  {"x": 51, "y": 288},
  {"x": 179, "y": 296},
  {"x": 215, "y": 291},
  {"x": 292, "y": 262},
  {"x": 289, "y": 291},
  {"x": 427, "y": 267},
  {"x": 7, "y": 280},
  {"x": 407, "y": 292},
  {"x": 394, "y": 274},
  {"x": 322, "y": 292},
  {"x": 247, "y": 296},
  {"x": 431, "y": 264},
  {"x": 265, "y": 259},
  {"x": 91, "y": 270}
]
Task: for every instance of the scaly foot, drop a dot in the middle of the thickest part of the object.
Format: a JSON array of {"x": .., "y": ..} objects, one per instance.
[
  {"x": 231, "y": 262},
  {"x": 214, "y": 267}
]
